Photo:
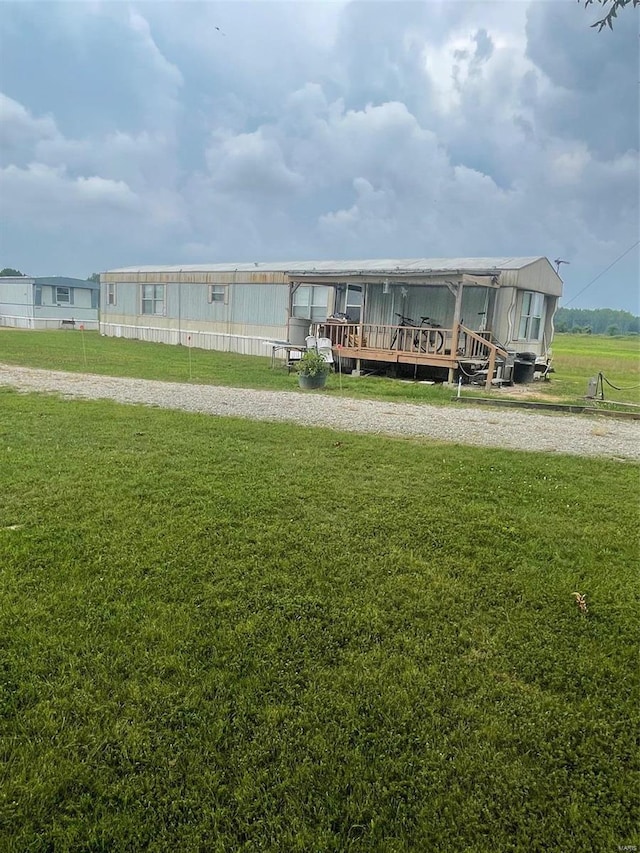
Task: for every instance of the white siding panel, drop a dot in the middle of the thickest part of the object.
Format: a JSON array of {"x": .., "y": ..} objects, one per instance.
[
  {"x": 245, "y": 344},
  {"x": 16, "y": 300},
  {"x": 539, "y": 276},
  {"x": 14, "y": 322}
]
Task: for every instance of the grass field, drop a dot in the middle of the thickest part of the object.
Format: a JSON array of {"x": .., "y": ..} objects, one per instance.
[
  {"x": 219, "y": 635},
  {"x": 576, "y": 358},
  {"x": 120, "y": 357}
]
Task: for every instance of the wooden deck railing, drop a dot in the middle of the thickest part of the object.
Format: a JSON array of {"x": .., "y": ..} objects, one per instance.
[
  {"x": 412, "y": 340},
  {"x": 477, "y": 346},
  {"x": 425, "y": 344}
]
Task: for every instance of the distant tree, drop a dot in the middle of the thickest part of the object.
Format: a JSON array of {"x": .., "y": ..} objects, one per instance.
[
  {"x": 95, "y": 276},
  {"x": 599, "y": 319},
  {"x": 612, "y": 331},
  {"x": 612, "y": 7},
  {"x": 7, "y": 271}
]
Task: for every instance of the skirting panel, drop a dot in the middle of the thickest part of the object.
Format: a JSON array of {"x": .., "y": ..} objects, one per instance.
[{"x": 242, "y": 344}]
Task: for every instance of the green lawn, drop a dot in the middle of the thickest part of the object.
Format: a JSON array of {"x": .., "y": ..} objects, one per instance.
[
  {"x": 220, "y": 635},
  {"x": 576, "y": 358},
  {"x": 63, "y": 350}
]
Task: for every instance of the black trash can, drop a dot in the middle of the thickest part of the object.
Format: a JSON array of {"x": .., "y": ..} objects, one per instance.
[{"x": 523, "y": 372}]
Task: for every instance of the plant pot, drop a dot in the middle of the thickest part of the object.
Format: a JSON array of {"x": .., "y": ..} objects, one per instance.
[{"x": 310, "y": 383}]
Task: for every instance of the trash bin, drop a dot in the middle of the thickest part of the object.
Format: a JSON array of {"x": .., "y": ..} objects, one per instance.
[
  {"x": 298, "y": 331},
  {"x": 523, "y": 372}
]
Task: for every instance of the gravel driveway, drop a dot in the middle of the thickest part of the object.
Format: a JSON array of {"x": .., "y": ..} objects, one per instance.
[{"x": 515, "y": 430}]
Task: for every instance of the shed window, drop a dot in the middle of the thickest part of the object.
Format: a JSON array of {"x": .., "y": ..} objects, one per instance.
[
  {"x": 63, "y": 295},
  {"x": 217, "y": 293},
  {"x": 530, "y": 316},
  {"x": 153, "y": 299},
  {"x": 111, "y": 294},
  {"x": 310, "y": 303}
]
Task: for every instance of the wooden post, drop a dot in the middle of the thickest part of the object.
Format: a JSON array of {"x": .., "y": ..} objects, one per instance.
[
  {"x": 492, "y": 368},
  {"x": 457, "y": 311}
]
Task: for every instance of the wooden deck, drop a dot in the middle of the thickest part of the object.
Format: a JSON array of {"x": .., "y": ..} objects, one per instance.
[{"x": 419, "y": 345}]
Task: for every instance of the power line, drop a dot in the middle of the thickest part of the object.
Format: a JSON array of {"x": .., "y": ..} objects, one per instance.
[{"x": 600, "y": 274}]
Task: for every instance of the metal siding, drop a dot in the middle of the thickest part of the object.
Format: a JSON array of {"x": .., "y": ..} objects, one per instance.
[
  {"x": 437, "y": 303},
  {"x": 223, "y": 276},
  {"x": 505, "y": 329},
  {"x": 254, "y": 303},
  {"x": 474, "y": 301},
  {"x": 434, "y": 302},
  {"x": 538, "y": 276},
  {"x": 191, "y": 302},
  {"x": 16, "y": 294},
  {"x": 81, "y": 297},
  {"x": 505, "y": 320},
  {"x": 79, "y": 313},
  {"x": 65, "y": 281},
  {"x": 254, "y": 340},
  {"x": 245, "y": 303},
  {"x": 127, "y": 298}
]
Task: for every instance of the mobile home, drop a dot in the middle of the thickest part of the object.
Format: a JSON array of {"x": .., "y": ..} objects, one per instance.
[
  {"x": 470, "y": 315},
  {"x": 48, "y": 302}
]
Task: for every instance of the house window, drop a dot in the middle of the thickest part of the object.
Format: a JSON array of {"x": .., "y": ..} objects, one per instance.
[
  {"x": 354, "y": 303},
  {"x": 217, "y": 293},
  {"x": 530, "y": 316},
  {"x": 153, "y": 299},
  {"x": 310, "y": 303},
  {"x": 111, "y": 294},
  {"x": 63, "y": 295}
]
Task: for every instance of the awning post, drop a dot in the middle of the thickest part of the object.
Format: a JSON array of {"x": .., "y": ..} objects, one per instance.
[{"x": 457, "y": 313}]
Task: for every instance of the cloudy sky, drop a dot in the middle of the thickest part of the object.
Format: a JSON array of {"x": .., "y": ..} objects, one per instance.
[{"x": 160, "y": 132}]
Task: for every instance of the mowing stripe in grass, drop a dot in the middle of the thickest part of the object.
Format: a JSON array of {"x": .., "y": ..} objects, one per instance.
[{"x": 217, "y": 634}]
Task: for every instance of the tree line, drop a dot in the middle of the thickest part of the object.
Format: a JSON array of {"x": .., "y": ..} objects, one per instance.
[{"x": 596, "y": 321}]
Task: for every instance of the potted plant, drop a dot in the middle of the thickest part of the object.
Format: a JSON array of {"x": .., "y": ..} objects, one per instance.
[{"x": 312, "y": 370}]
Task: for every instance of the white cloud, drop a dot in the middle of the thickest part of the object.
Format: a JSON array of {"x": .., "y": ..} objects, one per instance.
[
  {"x": 249, "y": 163},
  {"x": 20, "y": 131},
  {"x": 44, "y": 195},
  {"x": 334, "y": 130}
]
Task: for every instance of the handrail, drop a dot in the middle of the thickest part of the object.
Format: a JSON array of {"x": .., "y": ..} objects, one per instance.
[
  {"x": 416, "y": 340},
  {"x": 484, "y": 341},
  {"x": 480, "y": 344},
  {"x": 442, "y": 346}
]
